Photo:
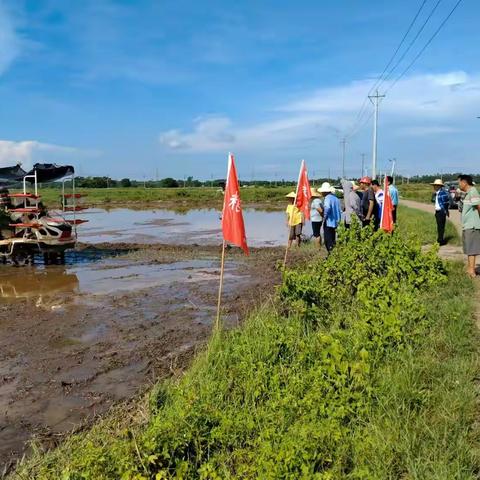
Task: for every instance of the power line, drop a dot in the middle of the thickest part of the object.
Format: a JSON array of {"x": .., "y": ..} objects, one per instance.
[
  {"x": 430, "y": 40},
  {"x": 380, "y": 80},
  {"x": 410, "y": 45}
]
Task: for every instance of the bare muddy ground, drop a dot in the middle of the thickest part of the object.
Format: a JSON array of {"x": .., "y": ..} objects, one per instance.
[{"x": 109, "y": 330}]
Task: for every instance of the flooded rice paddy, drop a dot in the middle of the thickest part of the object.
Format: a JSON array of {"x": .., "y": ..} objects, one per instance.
[{"x": 201, "y": 226}]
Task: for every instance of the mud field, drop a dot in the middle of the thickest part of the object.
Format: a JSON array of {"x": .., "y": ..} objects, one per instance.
[{"x": 77, "y": 338}]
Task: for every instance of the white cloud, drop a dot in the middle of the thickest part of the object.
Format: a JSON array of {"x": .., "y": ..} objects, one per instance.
[
  {"x": 9, "y": 41},
  {"x": 423, "y": 102},
  {"x": 30, "y": 151}
]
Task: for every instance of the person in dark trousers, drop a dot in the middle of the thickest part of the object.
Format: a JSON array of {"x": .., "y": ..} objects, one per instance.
[
  {"x": 441, "y": 200},
  {"x": 332, "y": 215},
  {"x": 368, "y": 200}
]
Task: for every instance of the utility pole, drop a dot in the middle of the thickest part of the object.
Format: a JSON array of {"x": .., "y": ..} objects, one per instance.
[
  {"x": 375, "y": 103},
  {"x": 363, "y": 166},
  {"x": 343, "y": 142}
]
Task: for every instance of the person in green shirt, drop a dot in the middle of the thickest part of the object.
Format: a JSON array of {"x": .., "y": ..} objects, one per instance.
[{"x": 470, "y": 222}]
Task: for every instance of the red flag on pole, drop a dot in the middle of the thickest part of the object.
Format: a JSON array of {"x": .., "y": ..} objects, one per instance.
[
  {"x": 303, "y": 194},
  {"x": 386, "y": 221},
  {"x": 232, "y": 218}
]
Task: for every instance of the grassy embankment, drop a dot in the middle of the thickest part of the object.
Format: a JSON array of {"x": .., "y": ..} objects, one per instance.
[
  {"x": 199, "y": 197},
  {"x": 363, "y": 367},
  {"x": 421, "y": 192},
  {"x": 421, "y": 226}
]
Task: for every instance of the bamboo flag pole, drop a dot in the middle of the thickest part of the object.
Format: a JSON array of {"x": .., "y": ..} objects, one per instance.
[
  {"x": 220, "y": 288},
  {"x": 290, "y": 216}
]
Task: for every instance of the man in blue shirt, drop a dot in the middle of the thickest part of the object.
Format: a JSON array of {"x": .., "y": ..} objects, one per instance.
[
  {"x": 332, "y": 215},
  {"x": 440, "y": 197},
  {"x": 394, "y": 196}
]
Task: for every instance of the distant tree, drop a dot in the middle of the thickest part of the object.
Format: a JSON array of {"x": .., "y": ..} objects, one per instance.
[
  {"x": 168, "y": 183},
  {"x": 125, "y": 182}
]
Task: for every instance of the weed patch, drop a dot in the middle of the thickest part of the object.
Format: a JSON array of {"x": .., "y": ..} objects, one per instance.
[{"x": 362, "y": 368}]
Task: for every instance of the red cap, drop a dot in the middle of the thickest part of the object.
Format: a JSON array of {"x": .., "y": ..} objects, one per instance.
[{"x": 367, "y": 180}]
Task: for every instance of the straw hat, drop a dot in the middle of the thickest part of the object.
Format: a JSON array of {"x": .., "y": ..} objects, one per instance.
[
  {"x": 438, "y": 181},
  {"x": 326, "y": 188},
  {"x": 313, "y": 192},
  {"x": 290, "y": 195}
]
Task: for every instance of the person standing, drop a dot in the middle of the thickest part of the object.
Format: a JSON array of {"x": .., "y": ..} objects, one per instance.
[
  {"x": 368, "y": 200},
  {"x": 470, "y": 222},
  {"x": 332, "y": 215},
  {"x": 377, "y": 190},
  {"x": 440, "y": 197},
  {"x": 316, "y": 209},
  {"x": 294, "y": 221},
  {"x": 351, "y": 200},
  {"x": 394, "y": 196}
]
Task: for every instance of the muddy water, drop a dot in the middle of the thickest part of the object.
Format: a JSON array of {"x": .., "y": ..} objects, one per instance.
[
  {"x": 75, "y": 339},
  {"x": 56, "y": 285},
  {"x": 202, "y": 226}
]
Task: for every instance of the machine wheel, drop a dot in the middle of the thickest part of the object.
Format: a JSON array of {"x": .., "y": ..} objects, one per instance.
[{"x": 21, "y": 259}]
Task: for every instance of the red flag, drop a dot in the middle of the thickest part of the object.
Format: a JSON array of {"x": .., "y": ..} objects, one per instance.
[
  {"x": 386, "y": 222},
  {"x": 303, "y": 194},
  {"x": 232, "y": 218}
]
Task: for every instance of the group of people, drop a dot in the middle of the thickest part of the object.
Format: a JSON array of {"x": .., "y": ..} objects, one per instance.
[
  {"x": 363, "y": 201},
  {"x": 470, "y": 210}
]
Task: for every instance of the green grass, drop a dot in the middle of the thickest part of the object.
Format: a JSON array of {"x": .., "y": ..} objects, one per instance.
[
  {"x": 421, "y": 226},
  {"x": 364, "y": 367},
  {"x": 421, "y": 192},
  {"x": 182, "y": 197}
]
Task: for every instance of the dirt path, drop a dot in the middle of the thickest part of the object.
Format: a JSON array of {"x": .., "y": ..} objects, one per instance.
[{"x": 448, "y": 252}]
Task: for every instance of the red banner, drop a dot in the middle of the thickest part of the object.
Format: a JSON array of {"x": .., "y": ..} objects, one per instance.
[
  {"x": 386, "y": 222},
  {"x": 303, "y": 195},
  {"x": 233, "y": 227}
]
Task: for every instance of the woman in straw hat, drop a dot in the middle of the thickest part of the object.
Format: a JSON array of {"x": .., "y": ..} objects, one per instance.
[
  {"x": 332, "y": 215},
  {"x": 294, "y": 221},
  {"x": 316, "y": 216},
  {"x": 440, "y": 197}
]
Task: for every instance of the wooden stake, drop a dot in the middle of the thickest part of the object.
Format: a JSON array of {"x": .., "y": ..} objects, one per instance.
[
  {"x": 222, "y": 267},
  {"x": 286, "y": 250}
]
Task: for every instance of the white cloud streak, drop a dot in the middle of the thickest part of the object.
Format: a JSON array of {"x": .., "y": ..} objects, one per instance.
[
  {"x": 29, "y": 152},
  {"x": 9, "y": 41},
  {"x": 421, "y": 105}
]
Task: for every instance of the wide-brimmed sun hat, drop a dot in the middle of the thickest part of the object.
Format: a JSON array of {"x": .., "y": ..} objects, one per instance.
[
  {"x": 326, "y": 188},
  {"x": 313, "y": 192},
  {"x": 438, "y": 181},
  {"x": 290, "y": 195}
]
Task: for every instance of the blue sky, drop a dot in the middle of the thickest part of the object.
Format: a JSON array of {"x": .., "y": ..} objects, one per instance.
[{"x": 129, "y": 88}]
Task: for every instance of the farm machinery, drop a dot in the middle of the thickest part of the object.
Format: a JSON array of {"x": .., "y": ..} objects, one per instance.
[{"x": 27, "y": 227}]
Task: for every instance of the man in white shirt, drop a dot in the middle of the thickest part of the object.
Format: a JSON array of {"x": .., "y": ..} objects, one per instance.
[{"x": 316, "y": 212}]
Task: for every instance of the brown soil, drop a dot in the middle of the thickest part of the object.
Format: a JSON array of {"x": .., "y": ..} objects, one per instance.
[{"x": 59, "y": 367}]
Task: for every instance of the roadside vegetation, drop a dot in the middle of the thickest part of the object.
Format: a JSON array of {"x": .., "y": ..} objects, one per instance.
[
  {"x": 420, "y": 192},
  {"x": 195, "y": 197},
  {"x": 363, "y": 366},
  {"x": 420, "y": 226}
]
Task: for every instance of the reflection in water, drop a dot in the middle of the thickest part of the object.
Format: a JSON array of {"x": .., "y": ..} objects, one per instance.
[
  {"x": 54, "y": 286},
  {"x": 200, "y": 226},
  {"x": 43, "y": 286}
]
